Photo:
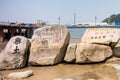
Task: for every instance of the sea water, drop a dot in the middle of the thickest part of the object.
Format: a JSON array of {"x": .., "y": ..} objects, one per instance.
[{"x": 76, "y": 32}]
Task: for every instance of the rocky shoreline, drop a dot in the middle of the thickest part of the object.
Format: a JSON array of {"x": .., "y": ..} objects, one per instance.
[{"x": 51, "y": 45}]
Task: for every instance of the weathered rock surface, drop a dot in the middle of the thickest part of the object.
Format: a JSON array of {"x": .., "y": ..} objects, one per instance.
[
  {"x": 116, "y": 49},
  {"x": 23, "y": 74},
  {"x": 1, "y": 78},
  {"x": 86, "y": 53},
  {"x": 15, "y": 55},
  {"x": 48, "y": 45},
  {"x": 108, "y": 36},
  {"x": 113, "y": 59},
  {"x": 70, "y": 53}
]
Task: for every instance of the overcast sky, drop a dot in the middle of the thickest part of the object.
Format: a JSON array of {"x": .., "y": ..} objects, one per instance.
[{"x": 29, "y": 11}]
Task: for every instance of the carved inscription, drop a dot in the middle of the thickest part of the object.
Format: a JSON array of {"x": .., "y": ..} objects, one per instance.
[
  {"x": 44, "y": 44},
  {"x": 16, "y": 50},
  {"x": 102, "y": 34},
  {"x": 51, "y": 34},
  {"x": 17, "y": 42}
]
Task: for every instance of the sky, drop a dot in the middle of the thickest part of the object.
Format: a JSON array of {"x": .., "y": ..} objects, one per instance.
[{"x": 29, "y": 11}]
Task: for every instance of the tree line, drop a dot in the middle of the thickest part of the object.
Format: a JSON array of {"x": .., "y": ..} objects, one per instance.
[{"x": 113, "y": 18}]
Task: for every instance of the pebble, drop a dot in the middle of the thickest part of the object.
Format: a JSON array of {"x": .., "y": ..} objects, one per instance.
[
  {"x": 23, "y": 74},
  {"x": 66, "y": 78}
]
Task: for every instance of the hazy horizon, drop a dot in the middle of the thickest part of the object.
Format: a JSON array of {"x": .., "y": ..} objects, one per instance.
[{"x": 51, "y": 10}]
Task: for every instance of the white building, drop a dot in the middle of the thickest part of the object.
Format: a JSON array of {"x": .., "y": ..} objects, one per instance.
[{"x": 93, "y": 24}]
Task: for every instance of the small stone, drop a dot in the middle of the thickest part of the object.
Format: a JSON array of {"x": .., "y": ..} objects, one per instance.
[
  {"x": 24, "y": 74},
  {"x": 58, "y": 79}
]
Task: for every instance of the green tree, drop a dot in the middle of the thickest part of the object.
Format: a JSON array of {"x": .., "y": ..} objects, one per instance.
[{"x": 112, "y": 18}]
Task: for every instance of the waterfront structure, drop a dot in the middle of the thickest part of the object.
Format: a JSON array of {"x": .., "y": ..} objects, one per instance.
[
  {"x": 8, "y": 31},
  {"x": 93, "y": 24}
]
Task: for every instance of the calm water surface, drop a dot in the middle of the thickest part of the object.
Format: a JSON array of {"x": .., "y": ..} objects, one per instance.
[{"x": 76, "y": 32}]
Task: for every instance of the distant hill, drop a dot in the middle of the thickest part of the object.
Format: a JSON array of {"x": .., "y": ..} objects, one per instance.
[{"x": 113, "y": 18}]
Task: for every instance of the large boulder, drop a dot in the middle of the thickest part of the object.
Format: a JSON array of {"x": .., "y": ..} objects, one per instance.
[
  {"x": 48, "y": 45},
  {"x": 70, "y": 53},
  {"x": 108, "y": 36},
  {"x": 87, "y": 53},
  {"x": 15, "y": 55}
]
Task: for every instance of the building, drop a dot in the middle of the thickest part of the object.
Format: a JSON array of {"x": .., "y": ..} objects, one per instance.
[
  {"x": 8, "y": 31},
  {"x": 92, "y": 24},
  {"x": 116, "y": 24}
]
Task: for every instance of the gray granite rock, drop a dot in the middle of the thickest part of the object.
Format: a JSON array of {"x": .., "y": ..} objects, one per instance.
[
  {"x": 108, "y": 36},
  {"x": 70, "y": 53},
  {"x": 87, "y": 53},
  {"x": 21, "y": 75},
  {"x": 15, "y": 55},
  {"x": 48, "y": 45}
]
